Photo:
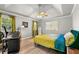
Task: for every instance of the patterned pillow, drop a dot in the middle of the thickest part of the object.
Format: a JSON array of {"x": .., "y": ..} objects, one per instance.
[{"x": 69, "y": 37}]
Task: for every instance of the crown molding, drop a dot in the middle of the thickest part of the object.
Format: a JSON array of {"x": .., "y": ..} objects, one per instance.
[{"x": 13, "y": 13}]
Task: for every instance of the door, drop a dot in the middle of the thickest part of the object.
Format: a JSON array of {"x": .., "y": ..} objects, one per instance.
[{"x": 34, "y": 28}]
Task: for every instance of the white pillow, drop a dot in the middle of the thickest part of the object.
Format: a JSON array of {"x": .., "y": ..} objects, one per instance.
[{"x": 54, "y": 36}]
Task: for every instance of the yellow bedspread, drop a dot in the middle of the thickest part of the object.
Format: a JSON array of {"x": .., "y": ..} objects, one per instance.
[{"x": 44, "y": 40}]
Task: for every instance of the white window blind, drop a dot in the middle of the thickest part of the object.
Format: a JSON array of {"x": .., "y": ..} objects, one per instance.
[{"x": 52, "y": 25}]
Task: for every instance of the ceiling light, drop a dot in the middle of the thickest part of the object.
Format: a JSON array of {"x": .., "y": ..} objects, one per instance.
[{"x": 41, "y": 13}]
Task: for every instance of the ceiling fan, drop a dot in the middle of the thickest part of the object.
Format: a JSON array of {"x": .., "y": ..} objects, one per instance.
[{"x": 41, "y": 13}]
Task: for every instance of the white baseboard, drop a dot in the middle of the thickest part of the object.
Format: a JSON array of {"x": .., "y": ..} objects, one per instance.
[{"x": 26, "y": 37}]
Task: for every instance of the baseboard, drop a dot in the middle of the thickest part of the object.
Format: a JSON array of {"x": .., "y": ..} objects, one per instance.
[{"x": 26, "y": 37}]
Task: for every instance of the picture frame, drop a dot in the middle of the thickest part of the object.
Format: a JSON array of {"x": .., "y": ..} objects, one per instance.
[{"x": 25, "y": 24}]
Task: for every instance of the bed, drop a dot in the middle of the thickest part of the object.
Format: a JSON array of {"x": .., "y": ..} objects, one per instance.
[{"x": 53, "y": 41}]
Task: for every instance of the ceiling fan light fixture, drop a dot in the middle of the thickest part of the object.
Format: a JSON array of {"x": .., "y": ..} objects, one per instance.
[{"x": 42, "y": 14}]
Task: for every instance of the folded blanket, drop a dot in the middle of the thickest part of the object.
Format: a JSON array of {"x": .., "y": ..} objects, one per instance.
[{"x": 60, "y": 43}]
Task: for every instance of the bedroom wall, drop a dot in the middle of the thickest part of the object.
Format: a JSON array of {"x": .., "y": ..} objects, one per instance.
[
  {"x": 75, "y": 16},
  {"x": 64, "y": 24},
  {"x": 25, "y": 32}
]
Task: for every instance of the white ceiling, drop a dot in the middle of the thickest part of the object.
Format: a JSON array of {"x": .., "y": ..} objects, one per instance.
[{"x": 31, "y": 10}]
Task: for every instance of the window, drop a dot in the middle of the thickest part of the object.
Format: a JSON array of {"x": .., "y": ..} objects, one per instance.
[
  {"x": 52, "y": 26},
  {"x": 6, "y": 21}
]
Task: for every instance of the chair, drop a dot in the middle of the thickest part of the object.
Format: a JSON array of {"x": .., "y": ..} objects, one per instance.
[
  {"x": 5, "y": 30},
  {"x": 75, "y": 44},
  {"x": 1, "y": 36}
]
